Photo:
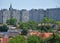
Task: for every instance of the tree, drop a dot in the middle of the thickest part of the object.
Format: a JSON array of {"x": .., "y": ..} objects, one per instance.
[
  {"x": 34, "y": 39},
  {"x": 45, "y": 28},
  {"x": 58, "y": 23},
  {"x": 24, "y": 32},
  {"x": 32, "y": 25},
  {"x": 46, "y": 24},
  {"x": 3, "y": 28},
  {"x": 23, "y": 25},
  {"x": 18, "y": 39},
  {"x": 55, "y": 38},
  {"x": 48, "y": 20},
  {"x": 28, "y": 25},
  {"x": 11, "y": 21}
]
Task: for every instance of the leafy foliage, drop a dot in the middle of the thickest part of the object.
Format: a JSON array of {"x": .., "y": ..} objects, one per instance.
[
  {"x": 23, "y": 25},
  {"x": 18, "y": 39},
  {"x": 34, "y": 39},
  {"x": 3, "y": 28},
  {"x": 45, "y": 28},
  {"x": 58, "y": 23},
  {"x": 28, "y": 25},
  {"x": 55, "y": 38},
  {"x": 48, "y": 20},
  {"x": 11, "y": 21},
  {"x": 32, "y": 25},
  {"x": 24, "y": 32}
]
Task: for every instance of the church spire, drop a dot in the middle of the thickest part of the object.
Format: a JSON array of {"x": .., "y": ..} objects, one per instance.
[{"x": 10, "y": 7}]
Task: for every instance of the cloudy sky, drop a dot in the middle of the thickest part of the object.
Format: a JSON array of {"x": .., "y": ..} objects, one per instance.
[{"x": 29, "y": 4}]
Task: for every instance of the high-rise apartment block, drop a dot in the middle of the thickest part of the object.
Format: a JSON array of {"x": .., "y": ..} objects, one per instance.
[{"x": 24, "y": 15}]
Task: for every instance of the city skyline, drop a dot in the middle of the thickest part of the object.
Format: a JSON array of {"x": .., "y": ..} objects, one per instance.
[{"x": 29, "y": 4}]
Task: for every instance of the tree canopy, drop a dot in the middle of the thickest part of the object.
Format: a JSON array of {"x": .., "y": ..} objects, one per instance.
[
  {"x": 28, "y": 25},
  {"x": 55, "y": 38},
  {"x": 48, "y": 20},
  {"x": 3, "y": 28},
  {"x": 24, "y": 32},
  {"x": 34, "y": 39},
  {"x": 18, "y": 39},
  {"x": 11, "y": 21}
]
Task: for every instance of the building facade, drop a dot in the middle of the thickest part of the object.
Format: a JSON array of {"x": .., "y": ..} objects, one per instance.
[
  {"x": 1, "y": 17},
  {"x": 24, "y": 15},
  {"x": 53, "y": 13},
  {"x": 5, "y": 14},
  {"x": 36, "y": 15},
  {"x": 14, "y": 13}
]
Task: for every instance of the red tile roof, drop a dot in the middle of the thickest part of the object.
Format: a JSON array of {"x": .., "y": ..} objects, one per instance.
[
  {"x": 4, "y": 40},
  {"x": 43, "y": 35}
]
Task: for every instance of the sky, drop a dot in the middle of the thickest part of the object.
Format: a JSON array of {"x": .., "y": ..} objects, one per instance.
[{"x": 29, "y": 4}]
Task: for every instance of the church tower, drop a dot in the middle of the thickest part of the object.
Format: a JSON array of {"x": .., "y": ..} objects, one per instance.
[
  {"x": 10, "y": 7},
  {"x": 11, "y": 11}
]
